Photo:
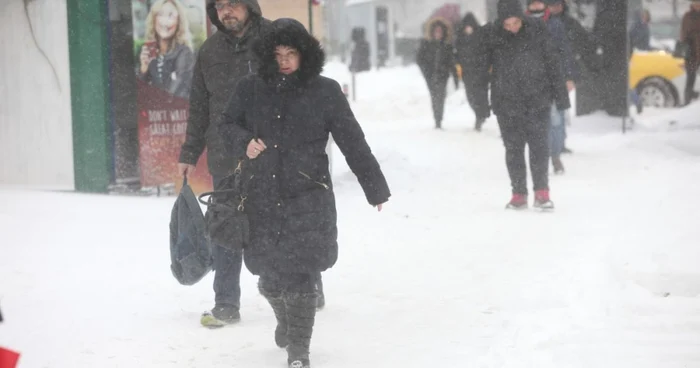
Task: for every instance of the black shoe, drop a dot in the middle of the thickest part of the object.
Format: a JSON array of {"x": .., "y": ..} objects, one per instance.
[
  {"x": 220, "y": 316},
  {"x": 558, "y": 166},
  {"x": 567, "y": 151}
]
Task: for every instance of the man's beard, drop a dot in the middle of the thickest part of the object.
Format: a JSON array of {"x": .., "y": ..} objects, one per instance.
[{"x": 234, "y": 25}]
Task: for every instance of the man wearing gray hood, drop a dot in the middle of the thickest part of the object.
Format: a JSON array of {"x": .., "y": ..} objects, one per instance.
[{"x": 223, "y": 60}]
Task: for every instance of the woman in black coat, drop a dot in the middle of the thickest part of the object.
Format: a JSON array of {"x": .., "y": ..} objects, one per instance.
[
  {"x": 465, "y": 47},
  {"x": 436, "y": 61},
  {"x": 280, "y": 119},
  {"x": 526, "y": 76}
]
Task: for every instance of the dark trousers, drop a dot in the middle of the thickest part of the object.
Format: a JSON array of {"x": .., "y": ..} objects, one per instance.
[
  {"x": 531, "y": 129},
  {"x": 690, "y": 83},
  {"x": 471, "y": 98},
  {"x": 227, "y": 272},
  {"x": 438, "y": 94}
]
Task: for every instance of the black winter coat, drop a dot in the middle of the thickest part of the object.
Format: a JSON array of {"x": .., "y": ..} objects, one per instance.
[
  {"x": 291, "y": 205},
  {"x": 221, "y": 62},
  {"x": 436, "y": 61},
  {"x": 526, "y": 72},
  {"x": 465, "y": 47}
]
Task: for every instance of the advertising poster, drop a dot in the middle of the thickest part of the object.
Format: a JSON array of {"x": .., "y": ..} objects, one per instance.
[{"x": 167, "y": 35}]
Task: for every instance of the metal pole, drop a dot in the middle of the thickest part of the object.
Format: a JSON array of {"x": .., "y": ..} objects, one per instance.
[
  {"x": 626, "y": 116},
  {"x": 311, "y": 17},
  {"x": 353, "y": 87},
  {"x": 675, "y": 9}
]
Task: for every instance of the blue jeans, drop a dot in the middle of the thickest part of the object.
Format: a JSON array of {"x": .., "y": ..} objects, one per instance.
[
  {"x": 227, "y": 272},
  {"x": 557, "y": 132},
  {"x": 634, "y": 96}
]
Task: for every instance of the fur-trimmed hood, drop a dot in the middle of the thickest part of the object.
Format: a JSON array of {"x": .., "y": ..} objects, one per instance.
[
  {"x": 439, "y": 21},
  {"x": 289, "y": 32}
]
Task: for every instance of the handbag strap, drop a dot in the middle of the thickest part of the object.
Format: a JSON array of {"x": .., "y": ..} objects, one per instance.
[{"x": 238, "y": 172}]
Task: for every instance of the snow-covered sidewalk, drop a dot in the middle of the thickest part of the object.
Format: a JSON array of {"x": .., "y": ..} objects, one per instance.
[{"x": 443, "y": 277}]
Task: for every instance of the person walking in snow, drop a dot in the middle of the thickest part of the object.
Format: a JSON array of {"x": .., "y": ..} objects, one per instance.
[
  {"x": 526, "y": 76},
  {"x": 436, "y": 61},
  {"x": 583, "y": 44},
  {"x": 640, "y": 34},
  {"x": 222, "y": 61},
  {"x": 557, "y": 132},
  {"x": 466, "y": 58},
  {"x": 280, "y": 119},
  {"x": 359, "y": 59},
  {"x": 690, "y": 36}
]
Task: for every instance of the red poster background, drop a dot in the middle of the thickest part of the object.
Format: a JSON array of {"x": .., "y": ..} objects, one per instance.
[{"x": 162, "y": 125}]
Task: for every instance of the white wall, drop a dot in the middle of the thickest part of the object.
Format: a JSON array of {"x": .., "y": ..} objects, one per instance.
[{"x": 36, "y": 142}]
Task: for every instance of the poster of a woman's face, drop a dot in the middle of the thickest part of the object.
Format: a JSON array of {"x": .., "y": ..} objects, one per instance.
[{"x": 165, "y": 49}]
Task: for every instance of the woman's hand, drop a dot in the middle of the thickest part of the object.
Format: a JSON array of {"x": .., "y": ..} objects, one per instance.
[
  {"x": 145, "y": 58},
  {"x": 255, "y": 147},
  {"x": 379, "y": 207}
]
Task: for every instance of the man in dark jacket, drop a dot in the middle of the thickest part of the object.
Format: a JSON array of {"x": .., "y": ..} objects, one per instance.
[
  {"x": 583, "y": 43},
  {"x": 223, "y": 59},
  {"x": 526, "y": 77},
  {"x": 464, "y": 47},
  {"x": 640, "y": 34}
]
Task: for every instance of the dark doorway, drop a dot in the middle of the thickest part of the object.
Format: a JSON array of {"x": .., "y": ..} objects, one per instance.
[{"x": 123, "y": 93}]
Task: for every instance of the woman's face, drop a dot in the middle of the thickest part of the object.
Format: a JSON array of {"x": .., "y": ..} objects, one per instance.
[
  {"x": 288, "y": 59},
  {"x": 167, "y": 21},
  {"x": 437, "y": 33},
  {"x": 468, "y": 30}
]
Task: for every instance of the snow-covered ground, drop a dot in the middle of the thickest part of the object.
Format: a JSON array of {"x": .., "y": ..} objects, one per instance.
[{"x": 443, "y": 277}]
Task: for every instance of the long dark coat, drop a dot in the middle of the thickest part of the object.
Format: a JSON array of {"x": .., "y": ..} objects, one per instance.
[
  {"x": 690, "y": 35},
  {"x": 291, "y": 205},
  {"x": 436, "y": 58},
  {"x": 526, "y": 73},
  {"x": 465, "y": 46}
]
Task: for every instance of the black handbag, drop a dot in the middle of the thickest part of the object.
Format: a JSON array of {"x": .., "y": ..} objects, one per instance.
[{"x": 226, "y": 221}]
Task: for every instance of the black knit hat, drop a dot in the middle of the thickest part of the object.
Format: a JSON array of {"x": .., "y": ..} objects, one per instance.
[{"x": 510, "y": 8}]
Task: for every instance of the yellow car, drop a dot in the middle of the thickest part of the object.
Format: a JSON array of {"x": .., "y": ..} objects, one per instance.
[{"x": 658, "y": 77}]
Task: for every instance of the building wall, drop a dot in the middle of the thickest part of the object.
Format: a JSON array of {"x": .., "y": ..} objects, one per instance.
[
  {"x": 35, "y": 97},
  {"x": 297, "y": 9}
]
